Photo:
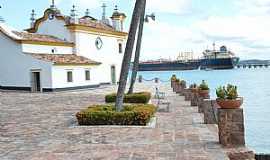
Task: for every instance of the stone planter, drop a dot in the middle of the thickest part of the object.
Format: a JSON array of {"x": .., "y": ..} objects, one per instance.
[
  {"x": 187, "y": 94},
  {"x": 231, "y": 127},
  {"x": 204, "y": 94},
  {"x": 173, "y": 83},
  {"x": 230, "y": 104},
  {"x": 194, "y": 99},
  {"x": 194, "y": 90},
  {"x": 178, "y": 88}
]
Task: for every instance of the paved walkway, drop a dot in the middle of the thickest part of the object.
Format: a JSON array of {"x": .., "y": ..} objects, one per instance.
[{"x": 41, "y": 127}]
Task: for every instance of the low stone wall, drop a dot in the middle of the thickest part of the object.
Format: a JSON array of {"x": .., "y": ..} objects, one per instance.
[
  {"x": 209, "y": 109},
  {"x": 262, "y": 156},
  {"x": 230, "y": 123}
]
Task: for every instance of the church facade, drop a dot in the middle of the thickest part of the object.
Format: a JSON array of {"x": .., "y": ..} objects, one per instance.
[{"x": 60, "y": 52}]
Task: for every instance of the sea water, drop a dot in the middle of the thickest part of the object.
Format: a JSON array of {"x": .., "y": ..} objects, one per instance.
[{"x": 253, "y": 84}]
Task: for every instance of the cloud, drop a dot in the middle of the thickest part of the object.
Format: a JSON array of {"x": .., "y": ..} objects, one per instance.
[
  {"x": 169, "y": 6},
  {"x": 162, "y": 39},
  {"x": 245, "y": 30},
  {"x": 91, "y": 4},
  {"x": 249, "y": 34}
]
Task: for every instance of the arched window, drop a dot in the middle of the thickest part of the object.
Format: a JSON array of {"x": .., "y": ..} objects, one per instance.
[{"x": 120, "y": 46}]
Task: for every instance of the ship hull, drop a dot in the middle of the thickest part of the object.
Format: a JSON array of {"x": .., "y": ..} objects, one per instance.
[
  {"x": 169, "y": 66},
  {"x": 221, "y": 63}
]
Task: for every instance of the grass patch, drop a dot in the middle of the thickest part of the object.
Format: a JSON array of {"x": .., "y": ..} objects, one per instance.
[
  {"x": 140, "y": 97},
  {"x": 139, "y": 114}
]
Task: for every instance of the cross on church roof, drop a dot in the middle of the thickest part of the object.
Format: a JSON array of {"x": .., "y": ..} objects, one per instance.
[
  {"x": 104, "y": 11},
  {"x": 53, "y": 4},
  {"x": 116, "y": 8},
  {"x": 33, "y": 14},
  {"x": 1, "y": 18},
  {"x": 87, "y": 12},
  {"x": 73, "y": 11}
]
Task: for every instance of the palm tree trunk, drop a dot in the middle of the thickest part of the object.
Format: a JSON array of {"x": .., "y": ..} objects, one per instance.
[
  {"x": 137, "y": 53},
  {"x": 128, "y": 53}
]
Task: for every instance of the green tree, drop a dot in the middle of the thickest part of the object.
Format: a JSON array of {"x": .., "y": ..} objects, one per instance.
[
  {"x": 137, "y": 12},
  {"x": 137, "y": 52}
]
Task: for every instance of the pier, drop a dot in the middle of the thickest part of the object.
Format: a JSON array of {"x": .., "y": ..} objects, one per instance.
[
  {"x": 253, "y": 65},
  {"x": 44, "y": 127}
]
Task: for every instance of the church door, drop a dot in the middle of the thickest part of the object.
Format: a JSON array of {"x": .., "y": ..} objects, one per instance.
[
  {"x": 35, "y": 81},
  {"x": 113, "y": 74}
]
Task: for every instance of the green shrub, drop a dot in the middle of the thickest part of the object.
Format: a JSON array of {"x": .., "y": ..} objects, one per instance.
[
  {"x": 106, "y": 115},
  {"x": 229, "y": 92},
  {"x": 193, "y": 86},
  {"x": 140, "y": 97},
  {"x": 173, "y": 78},
  {"x": 204, "y": 85}
]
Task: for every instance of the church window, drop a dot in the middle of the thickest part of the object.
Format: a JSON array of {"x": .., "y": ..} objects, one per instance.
[
  {"x": 120, "y": 46},
  {"x": 69, "y": 76},
  {"x": 87, "y": 75}
]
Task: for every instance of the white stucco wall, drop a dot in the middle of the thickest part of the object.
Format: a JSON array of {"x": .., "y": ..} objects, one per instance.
[
  {"x": 56, "y": 28},
  {"x": 59, "y": 74},
  {"x": 33, "y": 48},
  {"x": 15, "y": 67},
  {"x": 108, "y": 55}
]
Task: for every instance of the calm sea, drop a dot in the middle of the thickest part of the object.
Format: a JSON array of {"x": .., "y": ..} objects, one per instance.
[{"x": 253, "y": 85}]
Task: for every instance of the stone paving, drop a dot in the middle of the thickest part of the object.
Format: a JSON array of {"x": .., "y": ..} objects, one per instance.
[{"x": 41, "y": 127}]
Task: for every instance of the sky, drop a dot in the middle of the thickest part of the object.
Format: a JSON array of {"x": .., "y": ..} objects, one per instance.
[{"x": 180, "y": 26}]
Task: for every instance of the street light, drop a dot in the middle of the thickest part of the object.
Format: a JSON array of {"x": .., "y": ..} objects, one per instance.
[{"x": 152, "y": 16}]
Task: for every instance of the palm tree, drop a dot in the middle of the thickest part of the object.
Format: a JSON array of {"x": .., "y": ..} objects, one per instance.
[
  {"x": 128, "y": 53},
  {"x": 137, "y": 53}
]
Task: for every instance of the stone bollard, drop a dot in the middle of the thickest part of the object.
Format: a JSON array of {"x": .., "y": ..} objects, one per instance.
[
  {"x": 187, "y": 94},
  {"x": 140, "y": 79},
  {"x": 156, "y": 80},
  {"x": 231, "y": 127},
  {"x": 200, "y": 103},
  {"x": 178, "y": 88},
  {"x": 175, "y": 85},
  {"x": 172, "y": 83},
  {"x": 183, "y": 85},
  {"x": 210, "y": 111},
  {"x": 194, "y": 99}
]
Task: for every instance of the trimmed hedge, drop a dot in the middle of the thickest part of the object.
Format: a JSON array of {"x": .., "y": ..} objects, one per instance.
[
  {"x": 107, "y": 115},
  {"x": 140, "y": 97}
]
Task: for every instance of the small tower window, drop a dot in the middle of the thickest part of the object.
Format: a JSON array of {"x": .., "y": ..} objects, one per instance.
[
  {"x": 87, "y": 75},
  {"x": 69, "y": 76},
  {"x": 120, "y": 46},
  {"x": 54, "y": 50}
]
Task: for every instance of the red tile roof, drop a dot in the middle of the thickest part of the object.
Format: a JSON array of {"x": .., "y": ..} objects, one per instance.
[
  {"x": 38, "y": 37},
  {"x": 95, "y": 24},
  {"x": 64, "y": 59}
]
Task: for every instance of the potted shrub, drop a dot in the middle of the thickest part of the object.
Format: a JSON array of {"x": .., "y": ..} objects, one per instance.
[
  {"x": 227, "y": 97},
  {"x": 177, "y": 85},
  {"x": 193, "y": 88},
  {"x": 173, "y": 79},
  {"x": 183, "y": 84},
  {"x": 204, "y": 89}
]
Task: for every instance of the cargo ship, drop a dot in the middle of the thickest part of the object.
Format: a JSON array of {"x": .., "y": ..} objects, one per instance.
[
  {"x": 211, "y": 60},
  {"x": 183, "y": 62},
  {"x": 218, "y": 59}
]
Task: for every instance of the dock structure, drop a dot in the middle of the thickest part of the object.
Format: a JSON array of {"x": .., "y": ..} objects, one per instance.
[
  {"x": 266, "y": 65},
  {"x": 43, "y": 126}
]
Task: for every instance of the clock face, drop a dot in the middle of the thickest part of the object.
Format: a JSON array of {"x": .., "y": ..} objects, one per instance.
[
  {"x": 98, "y": 43},
  {"x": 51, "y": 17}
]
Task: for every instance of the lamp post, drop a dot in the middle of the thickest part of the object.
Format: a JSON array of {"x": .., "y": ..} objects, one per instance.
[{"x": 136, "y": 62}]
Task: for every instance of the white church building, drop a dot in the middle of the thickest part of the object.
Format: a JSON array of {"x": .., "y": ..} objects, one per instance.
[{"x": 61, "y": 52}]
